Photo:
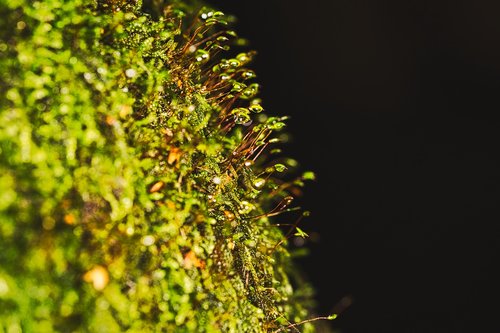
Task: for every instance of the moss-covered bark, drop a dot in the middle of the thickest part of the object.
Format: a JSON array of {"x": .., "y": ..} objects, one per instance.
[{"x": 136, "y": 179}]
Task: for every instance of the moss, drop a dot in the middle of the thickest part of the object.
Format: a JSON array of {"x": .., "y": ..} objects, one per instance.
[{"x": 137, "y": 186}]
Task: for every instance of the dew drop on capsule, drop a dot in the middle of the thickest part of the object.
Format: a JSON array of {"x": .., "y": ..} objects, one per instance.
[
  {"x": 250, "y": 91},
  {"x": 287, "y": 200},
  {"x": 243, "y": 58},
  {"x": 224, "y": 64},
  {"x": 234, "y": 63},
  {"x": 259, "y": 183},
  {"x": 222, "y": 39},
  {"x": 248, "y": 74},
  {"x": 241, "y": 115},
  {"x": 242, "y": 119},
  {"x": 202, "y": 55},
  {"x": 280, "y": 168},
  {"x": 238, "y": 86},
  {"x": 255, "y": 108}
]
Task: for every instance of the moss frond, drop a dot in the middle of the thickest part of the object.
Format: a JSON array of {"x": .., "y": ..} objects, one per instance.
[{"x": 137, "y": 183}]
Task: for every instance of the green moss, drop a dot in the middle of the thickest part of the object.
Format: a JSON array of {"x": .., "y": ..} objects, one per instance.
[{"x": 136, "y": 183}]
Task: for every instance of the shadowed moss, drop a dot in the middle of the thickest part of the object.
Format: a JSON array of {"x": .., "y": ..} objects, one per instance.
[{"x": 137, "y": 187}]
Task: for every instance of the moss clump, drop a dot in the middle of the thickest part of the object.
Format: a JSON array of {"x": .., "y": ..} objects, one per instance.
[{"x": 136, "y": 180}]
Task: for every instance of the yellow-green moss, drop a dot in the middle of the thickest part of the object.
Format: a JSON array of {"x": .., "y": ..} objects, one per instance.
[{"x": 136, "y": 183}]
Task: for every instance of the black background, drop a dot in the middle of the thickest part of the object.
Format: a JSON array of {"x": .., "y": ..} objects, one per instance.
[{"x": 394, "y": 105}]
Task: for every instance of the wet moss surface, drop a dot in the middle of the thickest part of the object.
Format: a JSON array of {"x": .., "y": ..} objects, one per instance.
[{"x": 140, "y": 175}]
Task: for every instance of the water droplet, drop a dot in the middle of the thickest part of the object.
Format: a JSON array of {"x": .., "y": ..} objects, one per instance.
[
  {"x": 88, "y": 76},
  {"x": 255, "y": 108},
  {"x": 259, "y": 183},
  {"x": 246, "y": 207},
  {"x": 202, "y": 55},
  {"x": 148, "y": 240},
  {"x": 250, "y": 91},
  {"x": 248, "y": 163},
  {"x": 224, "y": 64},
  {"x": 235, "y": 63},
  {"x": 273, "y": 124},
  {"x": 222, "y": 39},
  {"x": 244, "y": 57},
  {"x": 242, "y": 119},
  {"x": 211, "y": 199},
  {"x": 204, "y": 16},
  {"x": 217, "y": 180},
  {"x": 191, "y": 49},
  {"x": 127, "y": 203},
  {"x": 248, "y": 74},
  {"x": 237, "y": 86},
  {"x": 241, "y": 115},
  {"x": 130, "y": 231},
  {"x": 224, "y": 77},
  {"x": 130, "y": 72},
  {"x": 287, "y": 200}
]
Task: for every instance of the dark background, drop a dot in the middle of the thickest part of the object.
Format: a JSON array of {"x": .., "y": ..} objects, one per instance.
[{"x": 394, "y": 105}]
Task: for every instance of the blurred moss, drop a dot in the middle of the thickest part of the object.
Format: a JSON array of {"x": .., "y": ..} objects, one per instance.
[{"x": 135, "y": 177}]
